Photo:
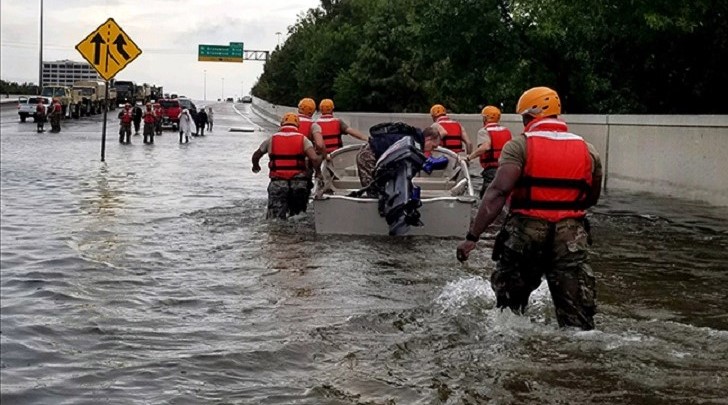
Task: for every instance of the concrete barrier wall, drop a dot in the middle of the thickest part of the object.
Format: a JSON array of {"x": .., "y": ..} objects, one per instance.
[{"x": 676, "y": 156}]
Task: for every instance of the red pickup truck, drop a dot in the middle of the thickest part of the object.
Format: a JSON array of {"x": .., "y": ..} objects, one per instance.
[{"x": 170, "y": 113}]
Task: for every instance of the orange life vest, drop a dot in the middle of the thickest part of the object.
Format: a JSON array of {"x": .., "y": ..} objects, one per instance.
[
  {"x": 453, "y": 140},
  {"x": 499, "y": 135},
  {"x": 287, "y": 156},
  {"x": 556, "y": 181},
  {"x": 330, "y": 131},
  {"x": 126, "y": 116},
  {"x": 304, "y": 125}
]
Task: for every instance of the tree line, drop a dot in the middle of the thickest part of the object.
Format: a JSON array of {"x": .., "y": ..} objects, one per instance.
[
  {"x": 18, "y": 88},
  {"x": 602, "y": 56}
]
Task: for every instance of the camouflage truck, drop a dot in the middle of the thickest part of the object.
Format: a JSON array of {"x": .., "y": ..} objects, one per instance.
[
  {"x": 89, "y": 97},
  {"x": 61, "y": 93},
  {"x": 143, "y": 93}
]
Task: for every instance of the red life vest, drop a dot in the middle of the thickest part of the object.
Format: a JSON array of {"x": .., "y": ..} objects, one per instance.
[
  {"x": 287, "y": 156},
  {"x": 499, "y": 135},
  {"x": 304, "y": 125},
  {"x": 557, "y": 178},
  {"x": 126, "y": 116},
  {"x": 149, "y": 117},
  {"x": 454, "y": 138},
  {"x": 57, "y": 108},
  {"x": 330, "y": 131},
  {"x": 40, "y": 109}
]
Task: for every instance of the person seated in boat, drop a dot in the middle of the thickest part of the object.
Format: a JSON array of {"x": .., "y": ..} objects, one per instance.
[
  {"x": 377, "y": 144},
  {"x": 288, "y": 190}
]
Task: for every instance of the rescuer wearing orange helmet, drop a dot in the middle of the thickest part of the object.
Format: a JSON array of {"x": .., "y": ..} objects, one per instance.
[
  {"x": 288, "y": 190},
  {"x": 454, "y": 136},
  {"x": 552, "y": 176},
  {"x": 306, "y": 109},
  {"x": 332, "y": 128},
  {"x": 491, "y": 139},
  {"x": 312, "y": 131}
]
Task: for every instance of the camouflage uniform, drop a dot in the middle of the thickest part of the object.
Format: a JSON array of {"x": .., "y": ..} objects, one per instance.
[
  {"x": 55, "y": 119},
  {"x": 488, "y": 176},
  {"x": 366, "y": 161},
  {"x": 287, "y": 197},
  {"x": 529, "y": 248}
]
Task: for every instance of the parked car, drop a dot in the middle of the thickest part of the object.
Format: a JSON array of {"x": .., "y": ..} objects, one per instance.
[
  {"x": 247, "y": 99},
  {"x": 188, "y": 104},
  {"x": 170, "y": 112},
  {"x": 26, "y": 106}
]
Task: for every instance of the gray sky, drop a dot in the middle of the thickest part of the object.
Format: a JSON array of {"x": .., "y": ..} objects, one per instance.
[{"x": 167, "y": 31}]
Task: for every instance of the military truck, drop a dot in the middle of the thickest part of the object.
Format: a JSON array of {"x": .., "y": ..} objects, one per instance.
[
  {"x": 143, "y": 93},
  {"x": 89, "y": 98},
  {"x": 61, "y": 93},
  {"x": 125, "y": 92}
]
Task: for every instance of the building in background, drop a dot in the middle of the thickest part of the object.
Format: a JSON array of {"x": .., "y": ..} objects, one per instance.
[{"x": 66, "y": 72}]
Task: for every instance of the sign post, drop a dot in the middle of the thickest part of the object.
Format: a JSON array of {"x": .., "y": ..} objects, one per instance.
[{"x": 108, "y": 49}]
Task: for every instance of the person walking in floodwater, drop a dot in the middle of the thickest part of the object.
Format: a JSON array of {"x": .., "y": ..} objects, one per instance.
[
  {"x": 210, "y": 117},
  {"x": 186, "y": 126},
  {"x": 125, "y": 119},
  {"x": 202, "y": 121},
  {"x": 551, "y": 177},
  {"x": 40, "y": 116},
  {"x": 149, "y": 119}
]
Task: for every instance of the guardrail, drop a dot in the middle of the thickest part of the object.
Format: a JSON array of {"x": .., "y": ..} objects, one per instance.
[{"x": 681, "y": 156}]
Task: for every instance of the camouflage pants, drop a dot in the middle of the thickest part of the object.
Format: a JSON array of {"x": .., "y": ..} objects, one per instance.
[
  {"x": 55, "y": 120},
  {"x": 287, "y": 197},
  {"x": 488, "y": 176},
  {"x": 365, "y": 163},
  {"x": 125, "y": 133},
  {"x": 148, "y": 132},
  {"x": 533, "y": 248}
]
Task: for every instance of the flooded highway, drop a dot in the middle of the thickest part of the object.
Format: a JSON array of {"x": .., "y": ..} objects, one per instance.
[{"x": 154, "y": 278}]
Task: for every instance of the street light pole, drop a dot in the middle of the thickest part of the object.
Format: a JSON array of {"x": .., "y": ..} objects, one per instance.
[
  {"x": 204, "y": 96},
  {"x": 40, "y": 52}
]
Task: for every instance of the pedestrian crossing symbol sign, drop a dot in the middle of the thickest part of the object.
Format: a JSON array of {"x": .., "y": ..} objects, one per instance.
[{"x": 108, "y": 49}]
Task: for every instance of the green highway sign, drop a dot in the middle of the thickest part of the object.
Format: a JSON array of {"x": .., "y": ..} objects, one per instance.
[{"x": 220, "y": 53}]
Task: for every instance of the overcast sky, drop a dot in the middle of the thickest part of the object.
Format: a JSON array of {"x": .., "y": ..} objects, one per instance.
[{"x": 167, "y": 31}]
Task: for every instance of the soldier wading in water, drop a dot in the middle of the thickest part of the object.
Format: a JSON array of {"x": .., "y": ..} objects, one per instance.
[
  {"x": 288, "y": 191},
  {"x": 552, "y": 176}
]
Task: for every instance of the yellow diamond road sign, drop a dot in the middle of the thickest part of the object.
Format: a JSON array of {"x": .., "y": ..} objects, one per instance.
[{"x": 108, "y": 49}]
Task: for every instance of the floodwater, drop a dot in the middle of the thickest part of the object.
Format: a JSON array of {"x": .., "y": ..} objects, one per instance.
[{"x": 155, "y": 279}]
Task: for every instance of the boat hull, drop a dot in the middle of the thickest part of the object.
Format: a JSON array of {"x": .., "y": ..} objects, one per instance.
[{"x": 441, "y": 217}]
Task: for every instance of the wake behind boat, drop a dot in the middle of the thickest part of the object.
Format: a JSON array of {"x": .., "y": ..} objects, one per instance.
[{"x": 446, "y": 197}]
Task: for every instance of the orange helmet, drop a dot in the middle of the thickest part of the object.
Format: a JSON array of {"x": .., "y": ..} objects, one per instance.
[
  {"x": 491, "y": 113},
  {"x": 307, "y": 106},
  {"x": 539, "y": 102},
  {"x": 290, "y": 118},
  {"x": 437, "y": 110},
  {"x": 326, "y": 106}
]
